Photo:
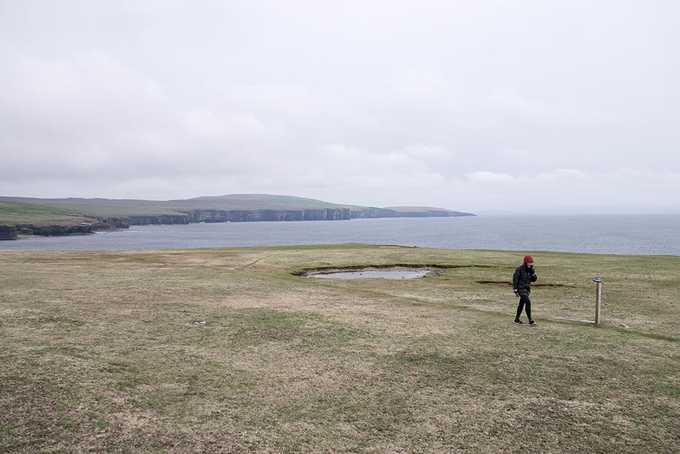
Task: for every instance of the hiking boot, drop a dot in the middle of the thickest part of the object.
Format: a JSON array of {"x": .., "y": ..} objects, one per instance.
[
  {"x": 519, "y": 322},
  {"x": 531, "y": 322}
]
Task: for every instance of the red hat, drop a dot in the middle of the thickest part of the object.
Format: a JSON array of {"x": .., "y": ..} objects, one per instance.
[{"x": 528, "y": 259}]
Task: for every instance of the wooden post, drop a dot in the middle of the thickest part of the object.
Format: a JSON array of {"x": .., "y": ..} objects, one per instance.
[{"x": 598, "y": 300}]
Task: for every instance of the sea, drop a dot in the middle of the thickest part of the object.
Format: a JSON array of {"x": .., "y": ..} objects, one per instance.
[{"x": 603, "y": 234}]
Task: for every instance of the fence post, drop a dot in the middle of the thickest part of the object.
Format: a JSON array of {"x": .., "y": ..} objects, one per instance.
[{"x": 598, "y": 299}]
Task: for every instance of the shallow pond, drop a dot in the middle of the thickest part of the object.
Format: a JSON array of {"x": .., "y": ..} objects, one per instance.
[{"x": 369, "y": 273}]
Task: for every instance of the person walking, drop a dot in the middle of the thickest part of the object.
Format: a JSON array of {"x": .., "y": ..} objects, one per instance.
[{"x": 524, "y": 276}]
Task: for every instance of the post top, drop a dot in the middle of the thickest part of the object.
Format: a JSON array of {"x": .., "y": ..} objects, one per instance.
[{"x": 598, "y": 279}]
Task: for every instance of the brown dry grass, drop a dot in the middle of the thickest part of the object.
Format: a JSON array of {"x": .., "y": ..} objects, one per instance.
[{"x": 109, "y": 352}]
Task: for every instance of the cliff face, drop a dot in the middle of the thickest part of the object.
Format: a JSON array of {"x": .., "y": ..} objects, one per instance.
[
  {"x": 159, "y": 219},
  {"x": 8, "y": 232},
  {"x": 210, "y": 215},
  {"x": 373, "y": 212},
  {"x": 111, "y": 224},
  {"x": 324, "y": 214},
  {"x": 429, "y": 214}
]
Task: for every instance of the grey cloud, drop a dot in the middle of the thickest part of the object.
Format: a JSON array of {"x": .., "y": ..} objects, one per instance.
[{"x": 458, "y": 104}]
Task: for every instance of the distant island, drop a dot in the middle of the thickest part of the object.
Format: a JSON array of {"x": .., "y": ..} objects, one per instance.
[{"x": 70, "y": 216}]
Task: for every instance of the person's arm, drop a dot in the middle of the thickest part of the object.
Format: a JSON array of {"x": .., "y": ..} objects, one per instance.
[
  {"x": 534, "y": 276},
  {"x": 515, "y": 281}
]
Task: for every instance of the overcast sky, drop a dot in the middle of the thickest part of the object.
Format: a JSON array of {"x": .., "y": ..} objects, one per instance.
[{"x": 525, "y": 106}]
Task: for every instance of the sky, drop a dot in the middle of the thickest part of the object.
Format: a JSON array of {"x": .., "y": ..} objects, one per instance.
[{"x": 486, "y": 106}]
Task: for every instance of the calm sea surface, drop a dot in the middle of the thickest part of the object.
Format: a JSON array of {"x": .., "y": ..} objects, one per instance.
[{"x": 617, "y": 234}]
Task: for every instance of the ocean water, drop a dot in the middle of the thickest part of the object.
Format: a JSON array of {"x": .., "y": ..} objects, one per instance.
[{"x": 615, "y": 234}]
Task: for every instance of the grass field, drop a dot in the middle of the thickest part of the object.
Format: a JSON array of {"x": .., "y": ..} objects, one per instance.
[{"x": 228, "y": 351}]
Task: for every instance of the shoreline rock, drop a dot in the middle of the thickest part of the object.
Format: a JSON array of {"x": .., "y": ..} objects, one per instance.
[
  {"x": 55, "y": 230},
  {"x": 8, "y": 232},
  {"x": 83, "y": 228}
]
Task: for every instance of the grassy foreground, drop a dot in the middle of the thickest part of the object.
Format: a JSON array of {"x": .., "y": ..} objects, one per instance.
[{"x": 227, "y": 351}]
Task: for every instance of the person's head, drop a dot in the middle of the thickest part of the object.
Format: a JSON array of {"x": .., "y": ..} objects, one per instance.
[{"x": 529, "y": 261}]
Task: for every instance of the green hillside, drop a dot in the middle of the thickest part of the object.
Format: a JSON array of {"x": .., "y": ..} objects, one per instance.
[
  {"x": 24, "y": 213},
  {"x": 99, "y": 207},
  {"x": 253, "y": 202}
]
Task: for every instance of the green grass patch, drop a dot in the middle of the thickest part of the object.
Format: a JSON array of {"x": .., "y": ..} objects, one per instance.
[{"x": 20, "y": 213}]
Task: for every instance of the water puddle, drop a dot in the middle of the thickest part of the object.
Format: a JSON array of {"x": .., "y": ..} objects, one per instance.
[{"x": 372, "y": 273}]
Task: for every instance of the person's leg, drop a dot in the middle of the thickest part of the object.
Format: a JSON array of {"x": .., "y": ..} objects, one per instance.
[
  {"x": 527, "y": 306},
  {"x": 520, "y": 307}
]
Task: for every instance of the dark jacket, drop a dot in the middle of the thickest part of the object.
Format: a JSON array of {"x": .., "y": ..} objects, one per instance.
[{"x": 522, "y": 279}]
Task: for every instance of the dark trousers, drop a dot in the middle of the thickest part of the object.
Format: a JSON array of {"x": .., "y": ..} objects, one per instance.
[{"x": 524, "y": 303}]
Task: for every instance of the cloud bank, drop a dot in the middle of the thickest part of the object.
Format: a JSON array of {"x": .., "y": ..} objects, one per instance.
[{"x": 480, "y": 106}]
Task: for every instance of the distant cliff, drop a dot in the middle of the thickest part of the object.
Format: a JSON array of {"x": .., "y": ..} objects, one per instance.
[
  {"x": 73, "y": 216},
  {"x": 319, "y": 214},
  {"x": 426, "y": 212},
  {"x": 209, "y": 215},
  {"x": 159, "y": 219},
  {"x": 406, "y": 212}
]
